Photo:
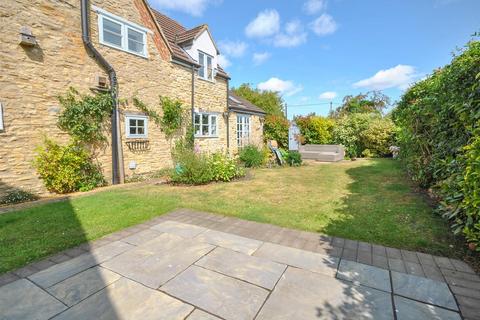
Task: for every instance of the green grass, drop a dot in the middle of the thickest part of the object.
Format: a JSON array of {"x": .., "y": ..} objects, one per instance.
[{"x": 369, "y": 200}]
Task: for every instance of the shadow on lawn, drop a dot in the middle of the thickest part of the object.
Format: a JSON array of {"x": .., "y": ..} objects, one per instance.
[
  {"x": 382, "y": 208},
  {"x": 43, "y": 231}
]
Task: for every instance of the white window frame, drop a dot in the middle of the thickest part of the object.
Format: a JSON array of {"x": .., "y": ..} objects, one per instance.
[
  {"x": 2, "y": 128},
  {"x": 243, "y": 130},
  {"x": 129, "y": 117},
  {"x": 204, "y": 66},
  {"x": 125, "y": 26},
  {"x": 210, "y": 127}
]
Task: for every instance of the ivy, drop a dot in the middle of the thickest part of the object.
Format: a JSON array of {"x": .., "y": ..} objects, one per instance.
[
  {"x": 83, "y": 116},
  {"x": 173, "y": 116}
]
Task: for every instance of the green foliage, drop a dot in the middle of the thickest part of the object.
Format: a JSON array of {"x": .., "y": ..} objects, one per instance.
[
  {"x": 252, "y": 156},
  {"x": 370, "y": 102},
  {"x": 17, "y": 196},
  {"x": 225, "y": 168},
  {"x": 276, "y": 128},
  {"x": 83, "y": 116},
  {"x": 173, "y": 114},
  {"x": 438, "y": 120},
  {"x": 197, "y": 168},
  {"x": 191, "y": 168},
  {"x": 271, "y": 102},
  {"x": 67, "y": 168},
  {"x": 378, "y": 137},
  {"x": 315, "y": 129},
  {"x": 293, "y": 158}
]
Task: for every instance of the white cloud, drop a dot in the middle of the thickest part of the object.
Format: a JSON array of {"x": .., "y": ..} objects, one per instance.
[
  {"x": 284, "y": 87},
  {"x": 267, "y": 23},
  {"x": 223, "y": 61},
  {"x": 260, "y": 57},
  {"x": 327, "y": 95},
  {"x": 293, "y": 36},
  {"x": 324, "y": 25},
  {"x": 234, "y": 49},
  {"x": 314, "y": 6},
  {"x": 192, "y": 7},
  {"x": 400, "y": 77}
]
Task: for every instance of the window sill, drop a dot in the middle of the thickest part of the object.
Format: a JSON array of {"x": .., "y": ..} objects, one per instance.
[
  {"x": 137, "y": 138},
  {"x": 205, "y": 79},
  {"x": 206, "y": 137},
  {"x": 144, "y": 56}
]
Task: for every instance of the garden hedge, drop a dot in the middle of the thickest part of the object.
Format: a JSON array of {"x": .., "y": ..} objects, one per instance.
[{"x": 439, "y": 136}]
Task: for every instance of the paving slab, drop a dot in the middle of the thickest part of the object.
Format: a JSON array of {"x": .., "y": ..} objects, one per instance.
[
  {"x": 142, "y": 237},
  {"x": 153, "y": 267},
  {"x": 261, "y": 272},
  {"x": 198, "y": 314},
  {"x": 407, "y": 309},
  {"x": 64, "y": 270},
  {"x": 230, "y": 241},
  {"x": 74, "y": 289},
  {"x": 423, "y": 289},
  {"x": 126, "y": 299},
  {"x": 180, "y": 229},
  {"x": 220, "y": 295},
  {"x": 22, "y": 299},
  {"x": 305, "y": 295},
  {"x": 298, "y": 258},
  {"x": 365, "y": 275}
]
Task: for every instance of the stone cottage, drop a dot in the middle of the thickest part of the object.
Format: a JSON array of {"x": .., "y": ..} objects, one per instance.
[{"x": 123, "y": 46}]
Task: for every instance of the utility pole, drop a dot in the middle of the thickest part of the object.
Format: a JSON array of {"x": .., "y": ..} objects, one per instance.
[
  {"x": 331, "y": 107},
  {"x": 286, "y": 111}
]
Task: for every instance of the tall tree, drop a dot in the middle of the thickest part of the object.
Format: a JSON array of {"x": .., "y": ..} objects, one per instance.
[
  {"x": 271, "y": 102},
  {"x": 370, "y": 102}
]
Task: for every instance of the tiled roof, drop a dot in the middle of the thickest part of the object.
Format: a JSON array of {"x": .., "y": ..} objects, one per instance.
[
  {"x": 191, "y": 34},
  {"x": 237, "y": 103},
  {"x": 177, "y": 34}
]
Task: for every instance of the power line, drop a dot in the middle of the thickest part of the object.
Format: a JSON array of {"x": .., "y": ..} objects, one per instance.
[{"x": 313, "y": 104}]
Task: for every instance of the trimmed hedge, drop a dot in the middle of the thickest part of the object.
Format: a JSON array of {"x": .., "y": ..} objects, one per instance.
[{"x": 439, "y": 136}]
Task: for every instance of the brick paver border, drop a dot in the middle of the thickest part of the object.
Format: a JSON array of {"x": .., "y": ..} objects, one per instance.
[{"x": 460, "y": 277}]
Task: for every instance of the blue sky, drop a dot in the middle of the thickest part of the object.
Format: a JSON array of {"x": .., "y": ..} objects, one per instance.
[{"x": 317, "y": 51}]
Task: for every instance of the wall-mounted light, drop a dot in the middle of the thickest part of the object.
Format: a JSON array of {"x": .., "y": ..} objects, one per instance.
[{"x": 27, "y": 39}]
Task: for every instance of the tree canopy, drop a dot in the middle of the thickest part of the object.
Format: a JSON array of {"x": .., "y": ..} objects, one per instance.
[
  {"x": 370, "y": 102},
  {"x": 271, "y": 102}
]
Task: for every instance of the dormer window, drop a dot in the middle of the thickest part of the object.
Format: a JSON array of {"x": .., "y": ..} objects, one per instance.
[{"x": 206, "y": 66}]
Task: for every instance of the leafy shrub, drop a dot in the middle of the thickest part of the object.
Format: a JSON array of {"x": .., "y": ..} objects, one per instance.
[
  {"x": 276, "y": 128},
  {"x": 347, "y": 132},
  {"x": 67, "y": 168},
  {"x": 315, "y": 129},
  {"x": 17, "y": 196},
  {"x": 252, "y": 156},
  {"x": 378, "y": 137},
  {"x": 224, "y": 168},
  {"x": 439, "y": 121},
  {"x": 293, "y": 158},
  {"x": 191, "y": 168}
]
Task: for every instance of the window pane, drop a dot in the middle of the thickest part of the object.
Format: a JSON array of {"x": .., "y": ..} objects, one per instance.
[
  {"x": 133, "y": 122},
  {"x": 205, "y": 119},
  {"x": 201, "y": 62},
  {"x": 133, "y": 130},
  {"x": 209, "y": 68},
  {"x": 112, "y": 32},
  {"x": 135, "y": 41},
  {"x": 197, "y": 129},
  {"x": 140, "y": 130},
  {"x": 141, "y": 122},
  {"x": 197, "y": 119},
  {"x": 205, "y": 130},
  {"x": 213, "y": 125}
]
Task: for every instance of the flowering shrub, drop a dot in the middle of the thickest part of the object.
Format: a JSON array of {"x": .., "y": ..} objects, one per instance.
[{"x": 225, "y": 168}]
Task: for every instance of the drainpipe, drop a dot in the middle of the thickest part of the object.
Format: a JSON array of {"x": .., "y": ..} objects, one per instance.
[
  {"x": 193, "y": 102},
  {"x": 117, "y": 158},
  {"x": 228, "y": 120}
]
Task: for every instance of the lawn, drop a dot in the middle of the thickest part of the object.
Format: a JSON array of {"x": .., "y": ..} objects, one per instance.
[{"x": 369, "y": 200}]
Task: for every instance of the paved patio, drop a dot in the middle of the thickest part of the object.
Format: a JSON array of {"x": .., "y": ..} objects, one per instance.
[{"x": 193, "y": 265}]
